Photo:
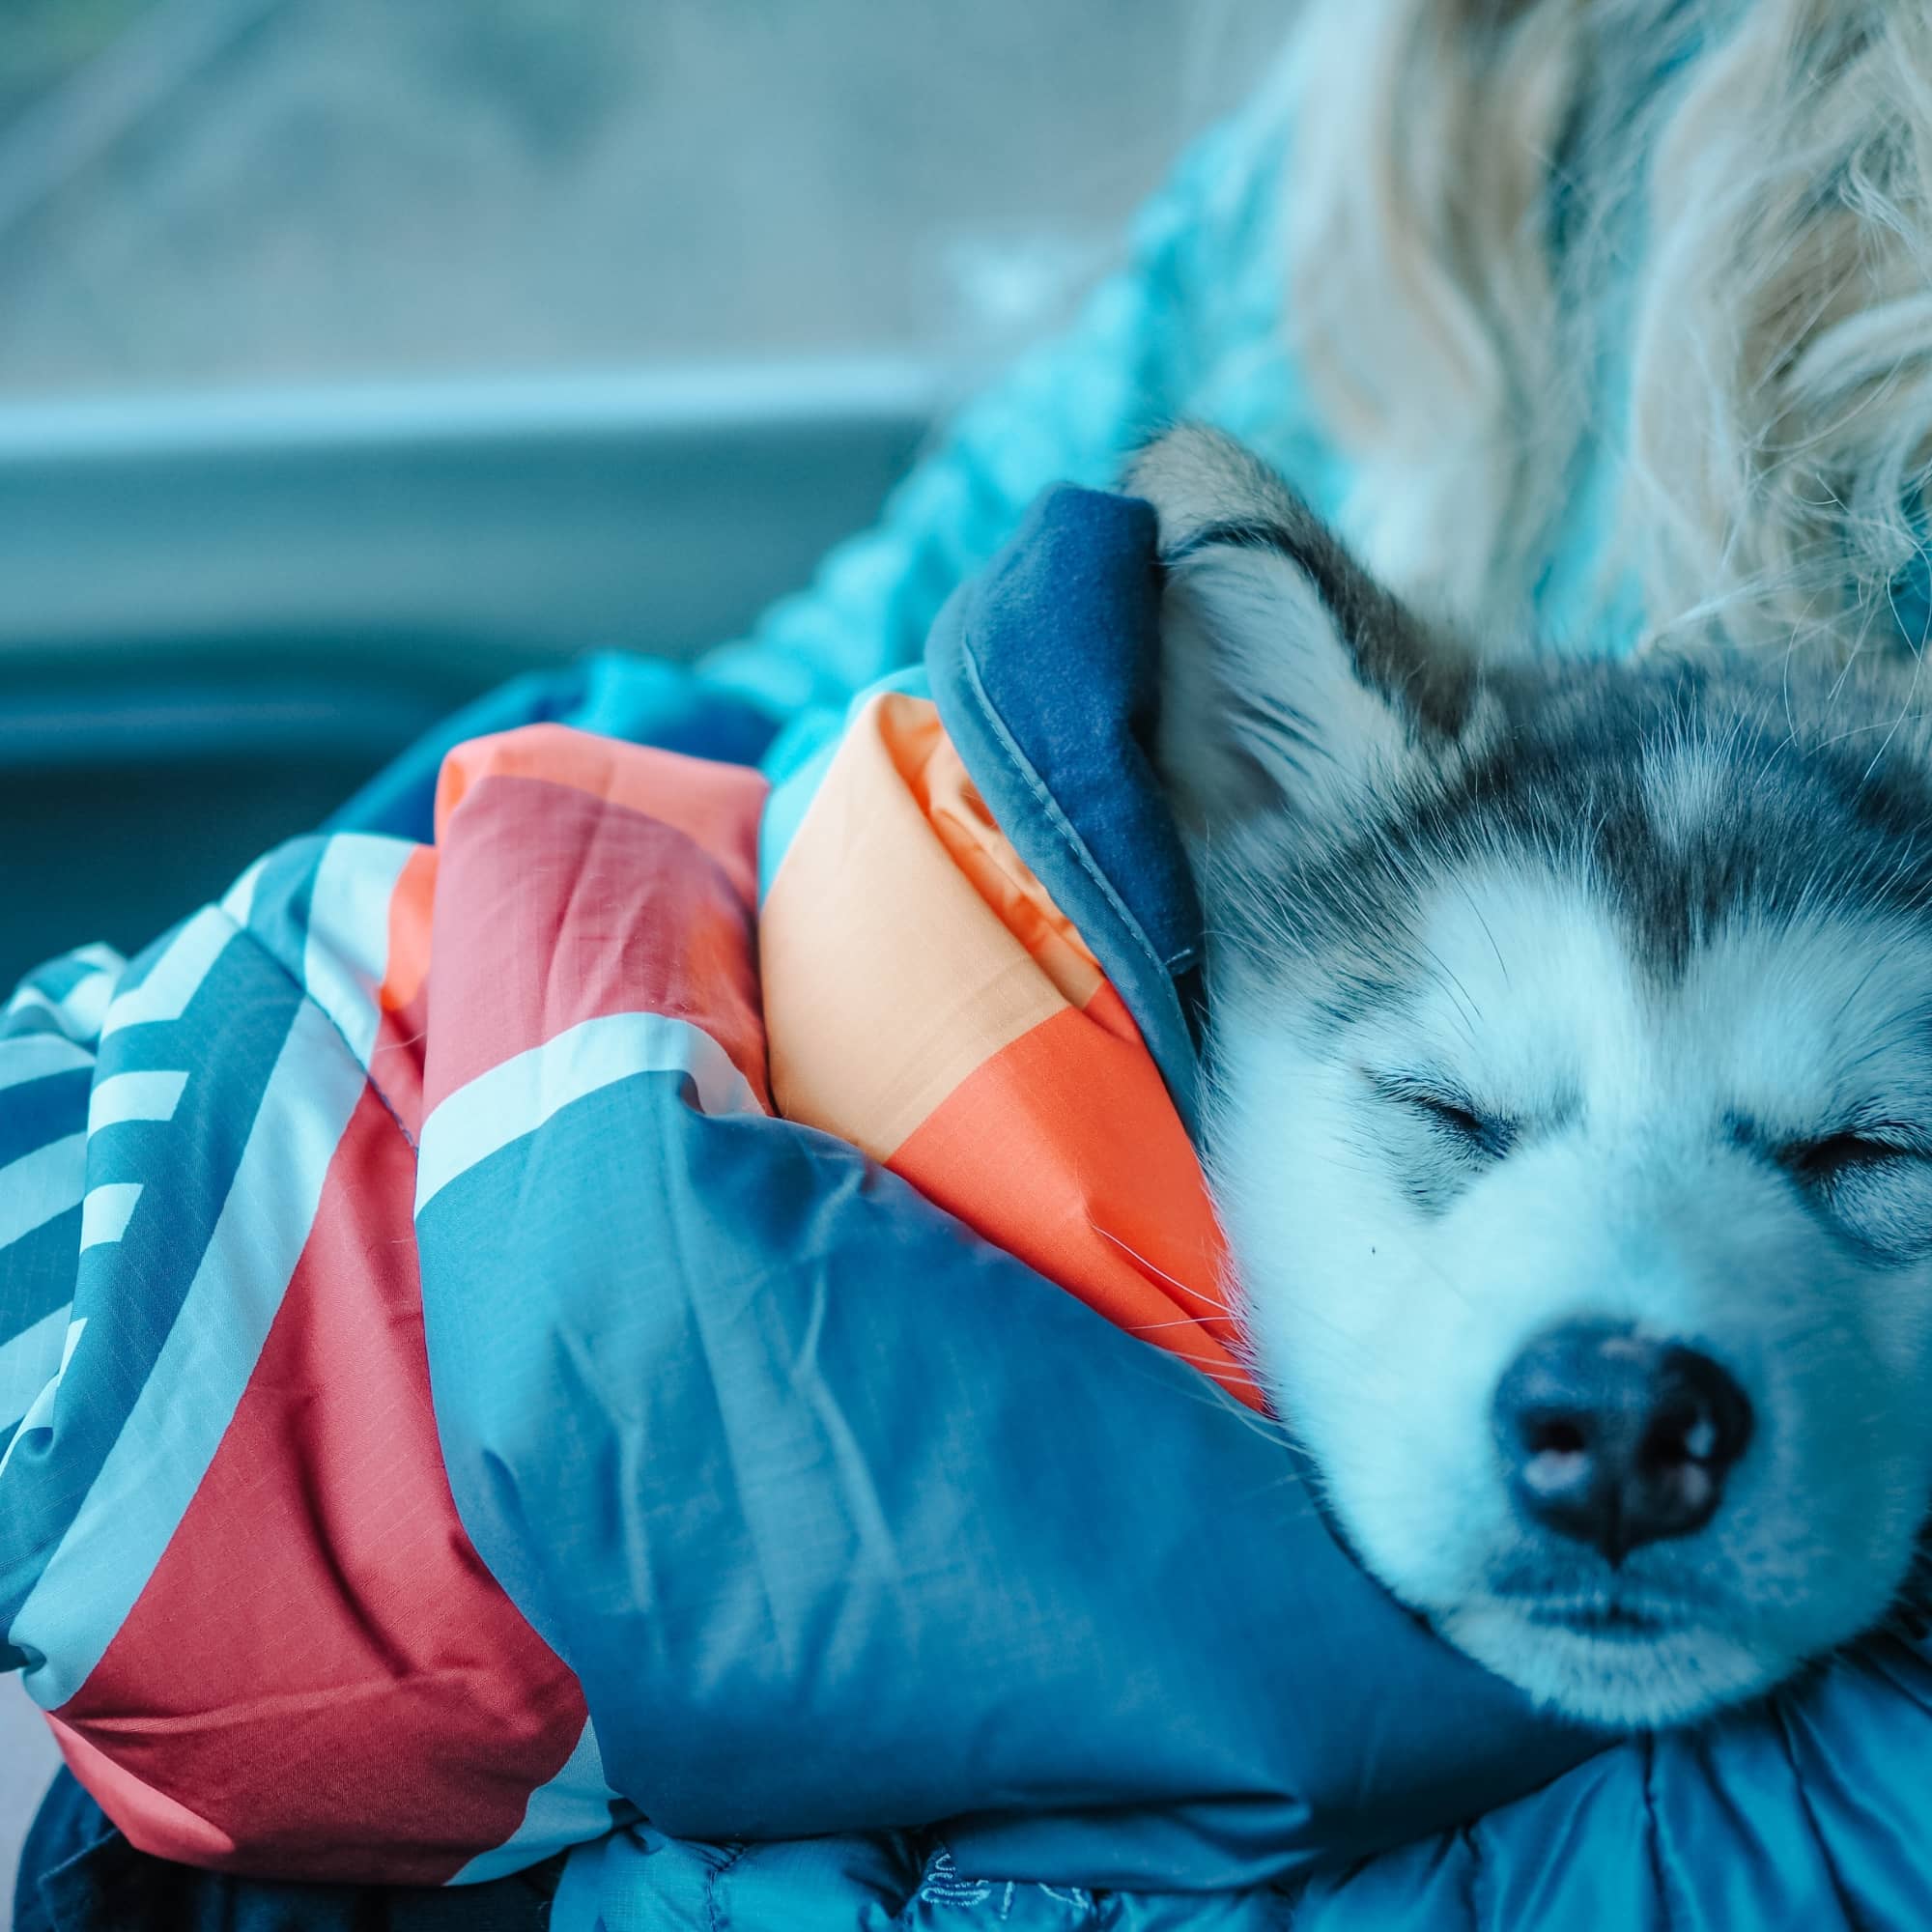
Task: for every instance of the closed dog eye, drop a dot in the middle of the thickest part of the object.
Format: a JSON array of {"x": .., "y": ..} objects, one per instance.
[
  {"x": 1819, "y": 1162},
  {"x": 1452, "y": 1115},
  {"x": 1875, "y": 1185}
]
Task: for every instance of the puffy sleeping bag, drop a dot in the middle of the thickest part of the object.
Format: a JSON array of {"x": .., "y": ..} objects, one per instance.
[{"x": 676, "y": 1320}]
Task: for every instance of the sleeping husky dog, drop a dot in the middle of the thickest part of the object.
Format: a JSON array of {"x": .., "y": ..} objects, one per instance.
[{"x": 1570, "y": 1107}]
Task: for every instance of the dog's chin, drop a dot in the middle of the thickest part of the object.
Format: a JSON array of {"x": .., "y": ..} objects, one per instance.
[{"x": 1620, "y": 1676}]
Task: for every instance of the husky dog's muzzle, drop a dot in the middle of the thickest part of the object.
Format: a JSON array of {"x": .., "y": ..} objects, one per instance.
[{"x": 1615, "y": 1441}]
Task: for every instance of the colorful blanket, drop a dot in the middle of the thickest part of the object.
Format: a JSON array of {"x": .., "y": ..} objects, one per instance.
[
  {"x": 260, "y": 1631},
  {"x": 672, "y": 1315}
]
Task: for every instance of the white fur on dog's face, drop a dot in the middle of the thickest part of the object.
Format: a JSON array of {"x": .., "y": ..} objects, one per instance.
[
  {"x": 1662, "y": 934},
  {"x": 1391, "y": 1278}
]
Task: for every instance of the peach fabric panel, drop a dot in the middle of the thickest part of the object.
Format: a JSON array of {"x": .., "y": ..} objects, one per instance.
[
  {"x": 888, "y": 979},
  {"x": 1065, "y": 1149},
  {"x": 412, "y": 906},
  {"x": 925, "y": 999}
]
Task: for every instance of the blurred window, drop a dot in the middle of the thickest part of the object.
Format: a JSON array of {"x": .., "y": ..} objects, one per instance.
[{"x": 206, "y": 192}]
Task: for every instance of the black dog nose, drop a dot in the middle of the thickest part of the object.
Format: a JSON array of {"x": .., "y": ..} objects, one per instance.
[{"x": 1618, "y": 1442}]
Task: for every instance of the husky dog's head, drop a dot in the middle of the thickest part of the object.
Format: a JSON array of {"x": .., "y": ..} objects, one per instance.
[{"x": 1570, "y": 1109}]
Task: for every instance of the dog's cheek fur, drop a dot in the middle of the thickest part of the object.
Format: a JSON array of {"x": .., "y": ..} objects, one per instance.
[
  {"x": 1383, "y": 1332},
  {"x": 1384, "y": 1323},
  {"x": 1590, "y": 839},
  {"x": 1369, "y": 1359}
]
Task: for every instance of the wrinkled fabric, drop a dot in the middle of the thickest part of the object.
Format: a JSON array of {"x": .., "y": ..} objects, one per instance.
[
  {"x": 1808, "y": 1809},
  {"x": 479, "y": 1419},
  {"x": 759, "y": 1501},
  {"x": 79, "y": 1874}
]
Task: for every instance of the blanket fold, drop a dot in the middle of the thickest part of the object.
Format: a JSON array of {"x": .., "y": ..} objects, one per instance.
[
  {"x": 671, "y": 1311},
  {"x": 546, "y": 1432}
]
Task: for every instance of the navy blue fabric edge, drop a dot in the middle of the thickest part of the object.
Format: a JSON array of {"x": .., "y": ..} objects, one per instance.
[{"x": 1138, "y": 912}]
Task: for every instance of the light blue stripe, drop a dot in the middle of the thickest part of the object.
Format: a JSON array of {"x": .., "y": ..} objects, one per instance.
[
  {"x": 105, "y": 1212},
  {"x": 28, "y": 1362},
  {"x": 103, "y": 1562},
  {"x": 785, "y": 807},
  {"x": 133, "y": 1097},
  {"x": 77, "y": 1012},
  {"x": 39, "y": 1185},
  {"x": 38, "y": 1418},
  {"x": 347, "y": 952},
  {"x": 239, "y": 900},
  {"x": 519, "y": 1095},
  {"x": 799, "y": 761},
  {"x": 176, "y": 977},
  {"x": 35, "y": 1056},
  {"x": 574, "y": 1806}
]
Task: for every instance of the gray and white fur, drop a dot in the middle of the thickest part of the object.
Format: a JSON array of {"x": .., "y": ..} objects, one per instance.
[{"x": 1570, "y": 1106}]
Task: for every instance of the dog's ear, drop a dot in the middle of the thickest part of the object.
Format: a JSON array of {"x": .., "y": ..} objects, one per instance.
[{"x": 1288, "y": 676}]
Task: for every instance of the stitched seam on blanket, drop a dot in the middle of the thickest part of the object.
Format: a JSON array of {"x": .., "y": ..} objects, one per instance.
[
  {"x": 1851, "y": 1917},
  {"x": 1472, "y": 1884},
  {"x": 295, "y": 980},
  {"x": 1652, "y": 1846},
  {"x": 714, "y": 1918},
  {"x": 1060, "y": 821}
]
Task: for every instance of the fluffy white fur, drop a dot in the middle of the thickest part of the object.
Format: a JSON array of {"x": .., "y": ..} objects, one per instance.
[
  {"x": 1754, "y": 174},
  {"x": 1385, "y": 1330},
  {"x": 1387, "y": 1277}
]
